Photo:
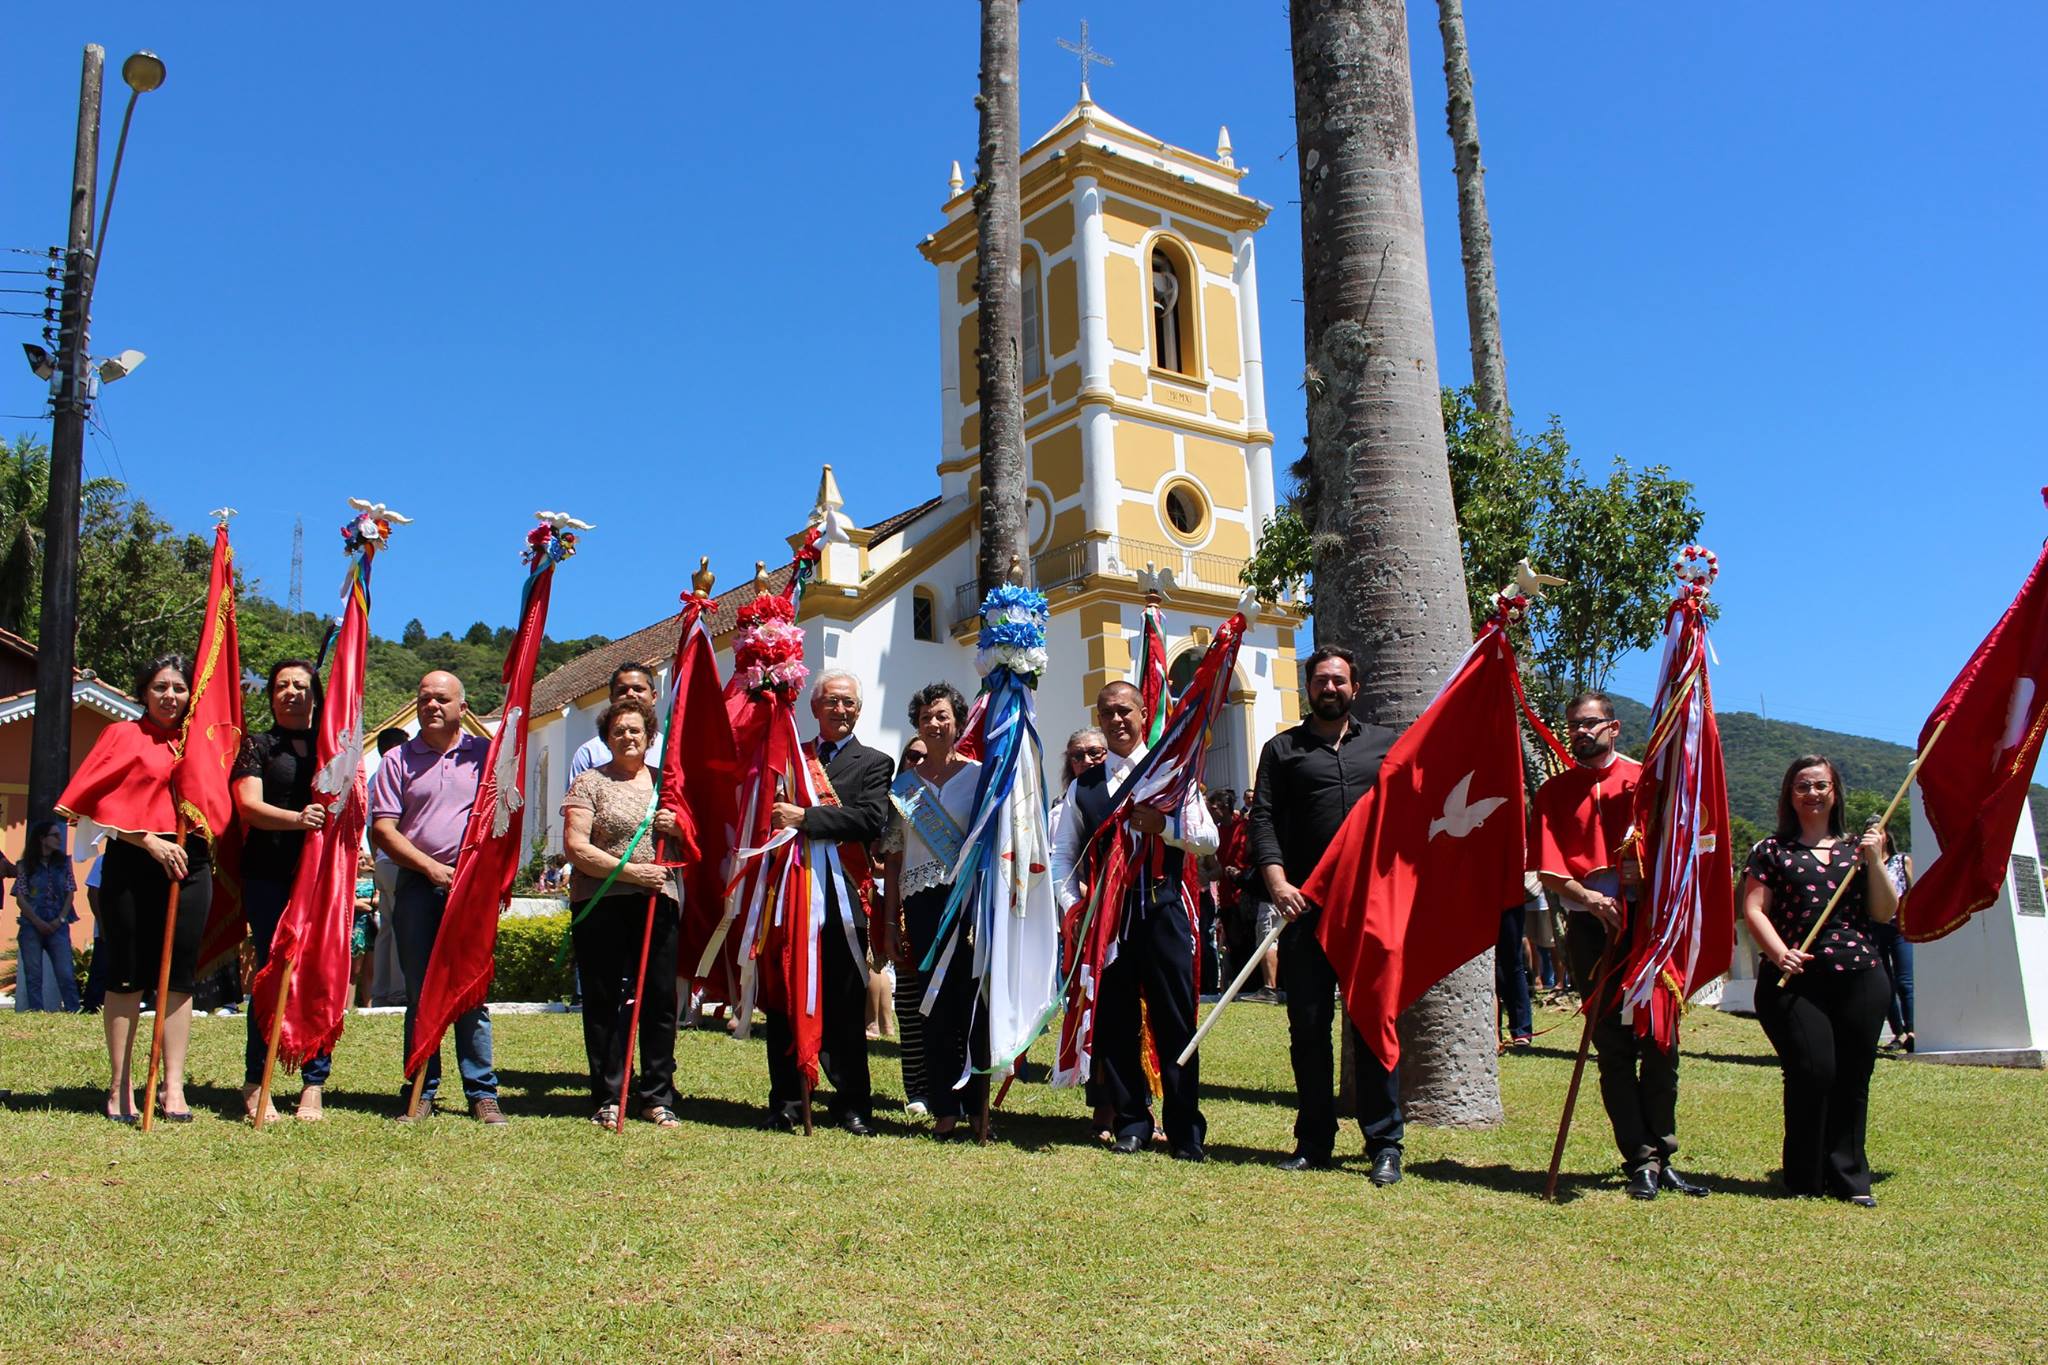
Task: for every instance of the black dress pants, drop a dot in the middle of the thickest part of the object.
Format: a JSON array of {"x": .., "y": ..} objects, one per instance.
[
  {"x": 135, "y": 895},
  {"x": 1638, "y": 1079},
  {"x": 608, "y": 956},
  {"x": 956, "y": 1031},
  {"x": 1311, "y": 985},
  {"x": 843, "y": 1006},
  {"x": 1825, "y": 1027},
  {"x": 1155, "y": 962}
]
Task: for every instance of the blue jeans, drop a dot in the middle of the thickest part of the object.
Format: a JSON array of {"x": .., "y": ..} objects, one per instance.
[
  {"x": 1511, "y": 974},
  {"x": 264, "y": 902},
  {"x": 28, "y": 970},
  {"x": 1896, "y": 953},
  {"x": 416, "y": 919}
]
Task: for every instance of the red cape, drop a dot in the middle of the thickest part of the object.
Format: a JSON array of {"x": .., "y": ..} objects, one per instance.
[
  {"x": 1582, "y": 817},
  {"x": 125, "y": 782}
]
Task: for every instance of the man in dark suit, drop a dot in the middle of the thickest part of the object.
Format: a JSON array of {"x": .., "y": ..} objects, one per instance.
[
  {"x": 859, "y": 779},
  {"x": 1309, "y": 779}
]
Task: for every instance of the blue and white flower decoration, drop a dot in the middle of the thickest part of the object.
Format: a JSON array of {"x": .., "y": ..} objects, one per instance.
[{"x": 1012, "y": 631}]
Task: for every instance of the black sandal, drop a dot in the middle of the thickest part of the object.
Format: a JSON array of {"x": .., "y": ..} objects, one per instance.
[
  {"x": 607, "y": 1116},
  {"x": 661, "y": 1116}
]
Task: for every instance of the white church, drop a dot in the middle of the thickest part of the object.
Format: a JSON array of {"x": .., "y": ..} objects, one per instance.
[{"x": 1147, "y": 445}]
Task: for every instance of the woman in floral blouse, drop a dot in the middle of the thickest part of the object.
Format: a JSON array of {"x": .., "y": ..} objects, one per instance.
[{"x": 1825, "y": 1020}]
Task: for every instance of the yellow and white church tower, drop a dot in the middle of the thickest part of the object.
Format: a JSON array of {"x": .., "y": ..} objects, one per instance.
[{"x": 1147, "y": 446}]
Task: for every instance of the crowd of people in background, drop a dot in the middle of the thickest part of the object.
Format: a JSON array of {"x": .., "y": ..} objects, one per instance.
[{"x": 1823, "y": 1010}]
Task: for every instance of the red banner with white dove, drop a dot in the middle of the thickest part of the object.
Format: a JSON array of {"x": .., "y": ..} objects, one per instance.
[
  {"x": 1414, "y": 884},
  {"x": 1973, "y": 784},
  {"x": 312, "y": 934},
  {"x": 459, "y": 969}
]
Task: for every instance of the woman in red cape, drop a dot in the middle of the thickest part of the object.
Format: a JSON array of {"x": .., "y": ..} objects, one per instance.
[{"x": 123, "y": 791}]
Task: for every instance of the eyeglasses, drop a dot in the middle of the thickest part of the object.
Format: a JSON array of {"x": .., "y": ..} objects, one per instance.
[
  {"x": 1087, "y": 755},
  {"x": 838, "y": 704},
  {"x": 1813, "y": 788},
  {"x": 1590, "y": 722}
]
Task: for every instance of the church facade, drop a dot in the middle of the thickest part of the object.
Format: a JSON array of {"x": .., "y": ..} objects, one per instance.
[{"x": 1147, "y": 448}]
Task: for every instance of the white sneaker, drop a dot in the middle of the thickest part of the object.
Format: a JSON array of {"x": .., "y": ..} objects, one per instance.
[{"x": 917, "y": 1110}]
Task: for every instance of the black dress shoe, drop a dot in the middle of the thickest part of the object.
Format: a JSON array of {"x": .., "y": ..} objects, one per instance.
[
  {"x": 783, "y": 1121},
  {"x": 1124, "y": 1146},
  {"x": 1386, "y": 1166},
  {"x": 1863, "y": 1201},
  {"x": 1642, "y": 1183},
  {"x": 1301, "y": 1161},
  {"x": 857, "y": 1124},
  {"x": 1189, "y": 1151},
  {"x": 1678, "y": 1184}
]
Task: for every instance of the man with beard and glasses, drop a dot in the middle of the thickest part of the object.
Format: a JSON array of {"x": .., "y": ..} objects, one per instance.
[
  {"x": 1582, "y": 819},
  {"x": 1309, "y": 779}
]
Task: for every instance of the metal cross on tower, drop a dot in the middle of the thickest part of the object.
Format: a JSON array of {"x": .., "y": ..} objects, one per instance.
[{"x": 1087, "y": 54}]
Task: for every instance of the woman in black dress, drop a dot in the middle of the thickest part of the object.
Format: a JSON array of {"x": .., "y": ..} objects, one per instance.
[
  {"x": 1825, "y": 1020},
  {"x": 273, "y": 784},
  {"x": 123, "y": 791}
]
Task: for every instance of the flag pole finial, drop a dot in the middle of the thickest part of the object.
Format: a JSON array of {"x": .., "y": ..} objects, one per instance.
[{"x": 702, "y": 580}]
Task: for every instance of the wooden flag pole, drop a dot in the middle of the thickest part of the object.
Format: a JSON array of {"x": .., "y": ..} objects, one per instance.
[
  {"x": 808, "y": 1086},
  {"x": 163, "y": 991},
  {"x": 633, "y": 1027},
  {"x": 1882, "y": 821},
  {"x": 284, "y": 994},
  {"x": 419, "y": 1083},
  {"x": 1244, "y": 975},
  {"x": 981, "y": 1123}
]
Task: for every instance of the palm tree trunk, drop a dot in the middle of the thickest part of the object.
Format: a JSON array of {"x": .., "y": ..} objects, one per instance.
[
  {"x": 1475, "y": 232},
  {"x": 1388, "y": 578},
  {"x": 1000, "y": 358}
]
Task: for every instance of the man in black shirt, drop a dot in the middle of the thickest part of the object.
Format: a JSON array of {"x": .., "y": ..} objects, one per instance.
[{"x": 1309, "y": 779}]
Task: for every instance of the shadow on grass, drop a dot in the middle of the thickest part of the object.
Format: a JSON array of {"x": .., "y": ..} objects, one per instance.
[
  {"x": 1572, "y": 1184},
  {"x": 1569, "y": 1052}
]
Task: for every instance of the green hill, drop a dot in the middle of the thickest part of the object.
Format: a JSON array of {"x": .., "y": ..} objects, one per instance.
[{"x": 1756, "y": 751}]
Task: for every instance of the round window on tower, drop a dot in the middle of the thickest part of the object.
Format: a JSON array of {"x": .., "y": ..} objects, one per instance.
[{"x": 1184, "y": 511}]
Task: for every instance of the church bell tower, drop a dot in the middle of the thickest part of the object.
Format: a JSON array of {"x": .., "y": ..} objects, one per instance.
[{"x": 1143, "y": 376}]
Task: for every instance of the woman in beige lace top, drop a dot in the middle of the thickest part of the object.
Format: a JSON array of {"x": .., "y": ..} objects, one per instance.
[{"x": 604, "y": 808}]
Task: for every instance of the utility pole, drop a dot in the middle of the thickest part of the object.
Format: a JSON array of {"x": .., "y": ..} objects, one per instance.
[{"x": 57, "y": 635}]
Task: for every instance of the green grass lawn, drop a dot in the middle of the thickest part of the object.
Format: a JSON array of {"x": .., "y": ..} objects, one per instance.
[{"x": 359, "y": 1238}]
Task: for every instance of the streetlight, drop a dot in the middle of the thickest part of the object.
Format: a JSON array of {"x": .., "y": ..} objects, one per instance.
[{"x": 50, "y": 750}]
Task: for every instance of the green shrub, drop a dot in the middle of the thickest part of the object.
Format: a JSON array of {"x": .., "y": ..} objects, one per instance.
[{"x": 526, "y": 969}]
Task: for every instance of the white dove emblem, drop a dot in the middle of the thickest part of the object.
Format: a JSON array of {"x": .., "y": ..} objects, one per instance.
[
  {"x": 505, "y": 777},
  {"x": 380, "y": 511},
  {"x": 1461, "y": 814},
  {"x": 562, "y": 521}
]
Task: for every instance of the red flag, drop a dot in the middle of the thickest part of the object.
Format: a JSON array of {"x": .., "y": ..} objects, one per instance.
[
  {"x": 1684, "y": 934},
  {"x": 213, "y": 722},
  {"x": 1973, "y": 784},
  {"x": 1414, "y": 884},
  {"x": 459, "y": 968},
  {"x": 700, "y": 778},
  {"x": 1120, "y": 859},
  {"x": 1152, "y": 673},
  {"x": 313, "y": 932}
]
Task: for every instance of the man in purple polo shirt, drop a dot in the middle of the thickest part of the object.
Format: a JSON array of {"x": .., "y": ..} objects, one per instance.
[{"x": 419, "y": 806}]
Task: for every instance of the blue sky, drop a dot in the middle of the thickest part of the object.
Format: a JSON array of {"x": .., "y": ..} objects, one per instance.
[{"x": 653, "y": 265}]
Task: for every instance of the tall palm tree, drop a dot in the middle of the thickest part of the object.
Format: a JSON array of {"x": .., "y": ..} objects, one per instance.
[
  {"x": 1475, "y": 232},
  {"x": 1388, "y": 579},
  {"x": 999, "y": 283}
]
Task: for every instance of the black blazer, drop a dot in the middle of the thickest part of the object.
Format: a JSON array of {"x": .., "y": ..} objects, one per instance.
[{"x": 861, "y": 777}]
